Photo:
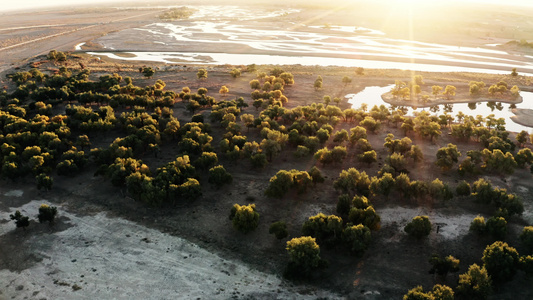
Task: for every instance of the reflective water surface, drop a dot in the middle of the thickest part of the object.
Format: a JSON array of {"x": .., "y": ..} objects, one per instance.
[
  {"x": 372, "y": 96},
  {"x": 236, "y": 37}
]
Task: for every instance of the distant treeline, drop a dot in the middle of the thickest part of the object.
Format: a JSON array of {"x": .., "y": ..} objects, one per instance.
[
  {"x": 521, "y": 43},
  {"x": 177, "y": 13}
]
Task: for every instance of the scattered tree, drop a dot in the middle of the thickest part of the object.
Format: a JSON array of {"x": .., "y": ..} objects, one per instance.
[
  {"x": 357, "y": 238},
  {"x": 463, "y": 188},
  {"x": 318, "y": 83},
  {"x": 526, "y": 238},
  {"x": 235, "y": 73},
  {"x": 255, "y": 84},
  {"x": 244, "y": 217},
  {"x": 346, "y": 80},
  {"x": 443, "y": 265},
  {"x": 316, "y": 175},
  {"x": 223, "y": 91},
  {"x": 344, "y": 204},
  {"x": 501, "y": 261},
  {"x": 475, "y": 283},
  {"x": 419, "y": 227},
  {"x": 364, "y": 214},
  {"x": 435, "y": 90},
  {"x": 497, "y": 227},
  {"x": 219, "y": 176},
  {"x": 148, "y": 72},
  {"x": 20, "y": 220},
  {"x": 47, "y": 213},
  {"x": 201, "y": 74},
  {"x": 478, "y": 225},
  {"x": 304, "y": 255},
  {"x": 368, "y": 157},
  {"x": 279, "y": 229},
  {"x": 439, "y": 292},
  {"x": 449, "y": 91},
  {"x": 44, "y": 182}
]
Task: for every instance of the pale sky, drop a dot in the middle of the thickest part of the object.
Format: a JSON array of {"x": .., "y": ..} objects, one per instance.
[
  {"x": 31, "y": 4},
  {"x": 9, "y": 5}
]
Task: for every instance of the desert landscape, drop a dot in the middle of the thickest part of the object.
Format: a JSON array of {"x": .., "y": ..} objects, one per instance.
[{"x": 126, "y": 96}]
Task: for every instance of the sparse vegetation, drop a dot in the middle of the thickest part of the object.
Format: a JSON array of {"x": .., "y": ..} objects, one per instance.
[
  {"x": 244, "y": 217},
  {"x": 47, "y": 213},
  {"x": 179, "y": 13},
  {"x": 21, "y": 221},
  {"x": 73, "y": 123},
  {"x": 419, "y": 227}
]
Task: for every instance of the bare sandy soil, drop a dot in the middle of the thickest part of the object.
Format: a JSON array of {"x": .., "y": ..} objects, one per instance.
[
  {"x": 97, "y": 257},
  {"x": 523, "y": 116},
  {"x": 25, "y": 35}
]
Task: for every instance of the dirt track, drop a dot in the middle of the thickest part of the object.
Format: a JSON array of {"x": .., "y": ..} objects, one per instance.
[{"x": 24, "y": 38}]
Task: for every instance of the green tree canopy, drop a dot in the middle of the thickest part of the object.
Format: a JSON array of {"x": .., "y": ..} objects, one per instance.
[
  {"x": 475, "y": 284},
  {"x": 501, "y": 261},
  {"x": 304, "y": 254},
  {"x": 419, "y": 227},
  {"x": 244, "y": 217}
]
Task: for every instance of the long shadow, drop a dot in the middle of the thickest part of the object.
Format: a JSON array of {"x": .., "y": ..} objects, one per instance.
[{"x": 25, "y": 248}]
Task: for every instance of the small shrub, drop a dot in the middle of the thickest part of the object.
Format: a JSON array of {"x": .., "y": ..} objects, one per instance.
[
  {"x": 44, "y": 182},
  {"x": 244, "y": 217},
  {"x": 475, "y": 283},
  {"x": 20, "y": 220},
  {"x": 478, "y": 225},
  {"x": 501, "y": 261},
  {"x": 219, "y": 176},
  {"x": 198, "y": 118},
  {"x": 279, "y": 229},
  {"x": 316, "y": 175},
  {"x": 497, "y": 227},
  {"x": 526, "y": 237},
  {"x": 344, "y": 204},
  {"x": 304, "y": 255},
  {"x": 357, "y": 238},
  {"x": 235, "y": 73},
  {"x": 463, "y": 189},
  {"x": 259, "y": 160},
  {"x": 419, "y": 227},
  {"x": 47, "y": 213}
]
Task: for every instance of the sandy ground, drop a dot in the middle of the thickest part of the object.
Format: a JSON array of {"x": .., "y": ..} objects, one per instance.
[
  {"x": 523, "y": 116},
  {"x": 25, "y": 35},
  {"x": 97, "y": 257}
]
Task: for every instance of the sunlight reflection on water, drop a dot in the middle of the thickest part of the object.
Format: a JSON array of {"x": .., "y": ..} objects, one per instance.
[
  {"x": 372, "y": 96},
  {"x": 272, "y": 43}
]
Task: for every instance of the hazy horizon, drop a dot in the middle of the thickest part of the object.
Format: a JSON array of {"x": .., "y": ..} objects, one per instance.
[{"x": 36, "y": 4}]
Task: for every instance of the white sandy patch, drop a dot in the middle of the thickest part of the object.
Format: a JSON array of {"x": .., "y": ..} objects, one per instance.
[
  {"x": 112, "y": 258},
  {"x": 14, "y": 193},
  {"x": 528, "y": 211},
  {"x": 78, "y": 46},
  {"x": 450, "y": 226}
]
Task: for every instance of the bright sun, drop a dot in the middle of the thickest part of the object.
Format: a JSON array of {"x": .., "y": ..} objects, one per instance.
[{"x": 407, "y": 3}]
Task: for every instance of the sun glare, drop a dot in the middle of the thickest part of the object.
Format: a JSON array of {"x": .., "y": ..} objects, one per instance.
[{"x": 424, "y": 3}]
